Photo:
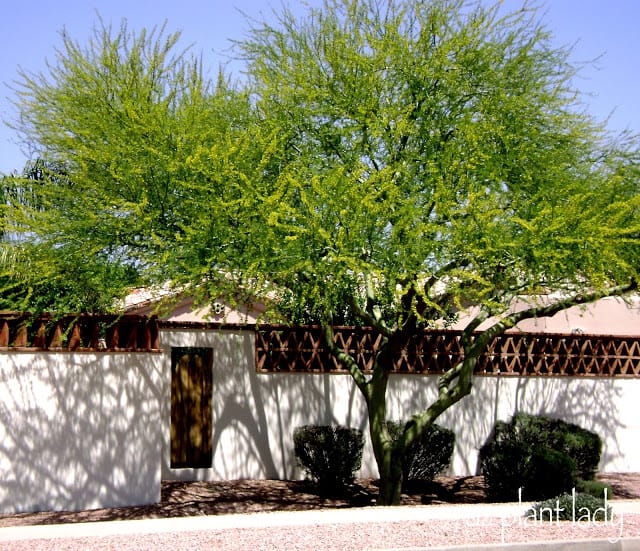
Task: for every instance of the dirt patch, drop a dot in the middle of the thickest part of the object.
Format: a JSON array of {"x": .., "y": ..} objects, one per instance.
[{"x": 179, "y": 499}]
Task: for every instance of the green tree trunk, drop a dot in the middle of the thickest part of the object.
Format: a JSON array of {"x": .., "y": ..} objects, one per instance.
[
  {"x": 388, "y": 453},
  {"x": 390, "y": 470}
]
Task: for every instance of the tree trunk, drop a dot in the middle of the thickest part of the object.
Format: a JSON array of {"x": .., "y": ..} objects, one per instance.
[
  {"x": 386, "y": 451},
  {"x": 390, "y": 471}
]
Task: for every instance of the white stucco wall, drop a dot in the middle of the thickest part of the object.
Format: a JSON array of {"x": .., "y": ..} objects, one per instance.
[
  {"x": 254, "y": 415},
  {"x": 606, "y": 406},
  {"x": 91, "y": 429},
  {"x": 79, "y": 430}
]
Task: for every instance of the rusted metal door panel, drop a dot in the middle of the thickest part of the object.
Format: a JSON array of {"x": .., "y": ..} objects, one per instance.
[{"x": 191, "y": 414}]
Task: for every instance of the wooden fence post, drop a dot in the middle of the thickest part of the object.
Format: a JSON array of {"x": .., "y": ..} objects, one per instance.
[
  {"x": 22, "y": 338},
  {"x": 75, "y": 340},
  {"x": 4, "y": 334}
]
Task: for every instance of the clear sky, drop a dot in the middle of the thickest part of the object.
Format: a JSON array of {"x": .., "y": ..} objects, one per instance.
[{"x": 30, "y": 30}]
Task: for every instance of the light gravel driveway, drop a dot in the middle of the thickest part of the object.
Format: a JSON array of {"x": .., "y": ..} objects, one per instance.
[{"x": 427, "y": 527}]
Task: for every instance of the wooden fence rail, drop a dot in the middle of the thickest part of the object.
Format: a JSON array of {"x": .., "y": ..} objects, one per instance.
[
  {"x": 78, "y": 332},
  {"x": 281, "y": 349}
]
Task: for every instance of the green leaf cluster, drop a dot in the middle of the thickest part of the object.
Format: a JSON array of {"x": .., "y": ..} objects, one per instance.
[
  {"x": 120, "y": 127},
  {"x": 433, "y": 156}
]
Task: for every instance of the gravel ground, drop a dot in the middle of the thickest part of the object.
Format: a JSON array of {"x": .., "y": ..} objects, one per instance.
[
  {"x": 359, "y": 536},
  {"x": 462, "y": 521}
]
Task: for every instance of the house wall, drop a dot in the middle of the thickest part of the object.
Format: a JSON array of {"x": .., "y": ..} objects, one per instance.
[
  {"x": 254, "y": 415},
  {"x": 80, "y": 430},
  {"x": 607, "y": 316},
  {"x": 83, "y": 430}
]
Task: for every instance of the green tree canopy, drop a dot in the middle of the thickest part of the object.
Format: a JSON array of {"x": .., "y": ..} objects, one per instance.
[
  {"x": 398, "y": 161},
  {"x": 33, "y": 277},
  {"x": 433, "y": 154},
  {"x": 115, "y": 124}
]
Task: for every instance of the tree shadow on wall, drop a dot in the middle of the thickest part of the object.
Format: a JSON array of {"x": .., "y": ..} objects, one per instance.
[
  {"x": 79, "y": 433},
  {"x": 255, "y": 414},
  {"x": 591, "y": 403}
]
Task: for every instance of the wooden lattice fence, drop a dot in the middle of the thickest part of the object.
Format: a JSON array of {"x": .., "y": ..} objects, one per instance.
[
  {"x": 78, "y": 332},
  {"x": 281, "y": 349}
]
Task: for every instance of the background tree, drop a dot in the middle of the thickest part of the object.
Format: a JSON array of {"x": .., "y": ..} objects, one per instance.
[
  {"x": 394, "y": 162},
  {"x": 115, "y": 124},
  {"x": 36, "y": 277}
]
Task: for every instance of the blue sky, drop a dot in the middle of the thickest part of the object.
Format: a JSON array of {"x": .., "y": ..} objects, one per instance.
[{"x": 29, "y": 32}]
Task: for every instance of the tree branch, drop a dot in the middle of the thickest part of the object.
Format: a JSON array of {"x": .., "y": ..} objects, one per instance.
[
  {"x": 546, "y": 311},
  {"x": 463, "y": 371},
  {"x": 370, "y": 319},
  {"x": 345, "y": 359}
]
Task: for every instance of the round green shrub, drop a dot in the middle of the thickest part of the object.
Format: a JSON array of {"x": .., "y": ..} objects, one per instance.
[
  {"x": 584, "y": 446},
  {"x": 542, "y": 456},
  {"x": 581, "y": 507},
  {"x": 330, "y": 455},
  {"x": 546, "y": 473},
  {"x": 503, "y": 465},
  {"x": 428, "y": 455}
]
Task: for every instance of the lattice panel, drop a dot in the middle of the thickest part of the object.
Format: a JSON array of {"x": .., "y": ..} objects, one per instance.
[
  {"x": 82, "y": 332},
  {"x": 282, "y": 349}
]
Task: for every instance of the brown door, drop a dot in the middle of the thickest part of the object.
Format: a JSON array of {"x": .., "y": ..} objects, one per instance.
[{"x": 191, "y": 415}]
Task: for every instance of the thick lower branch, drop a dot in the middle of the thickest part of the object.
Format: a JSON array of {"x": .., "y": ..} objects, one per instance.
[{"x": 447, "y": 396}]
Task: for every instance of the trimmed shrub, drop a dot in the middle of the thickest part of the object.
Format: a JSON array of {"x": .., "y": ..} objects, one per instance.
[
  {"x": 548, "y": 472},
  {"x": 540, "y": 472},
  {"x": 594, "y": 488},
  {"x": 542, "y": 456},
  {"x": 581, "y": 507},
  {"x": 428, "y": 455},
  {"x": 503, "y": 464},
  {"x": 584, "y": 446},
  {"x": 330, "y": 455}
]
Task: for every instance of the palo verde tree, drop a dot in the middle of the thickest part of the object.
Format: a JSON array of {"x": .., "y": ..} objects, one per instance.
[
  {"x": 115, "y": 123},
  {"x": 428, "y": 157},
  {"x": 401, "y": 161},
  {"x": 33, "y": 276}
]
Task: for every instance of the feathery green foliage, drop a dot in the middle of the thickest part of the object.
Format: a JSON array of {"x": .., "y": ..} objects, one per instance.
[
  {"x": 118, "y": 125},
  {"x": 384, "y": 162}
]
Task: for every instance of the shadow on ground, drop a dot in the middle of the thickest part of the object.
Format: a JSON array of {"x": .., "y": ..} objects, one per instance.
[{"x": 180, "y": 499}]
